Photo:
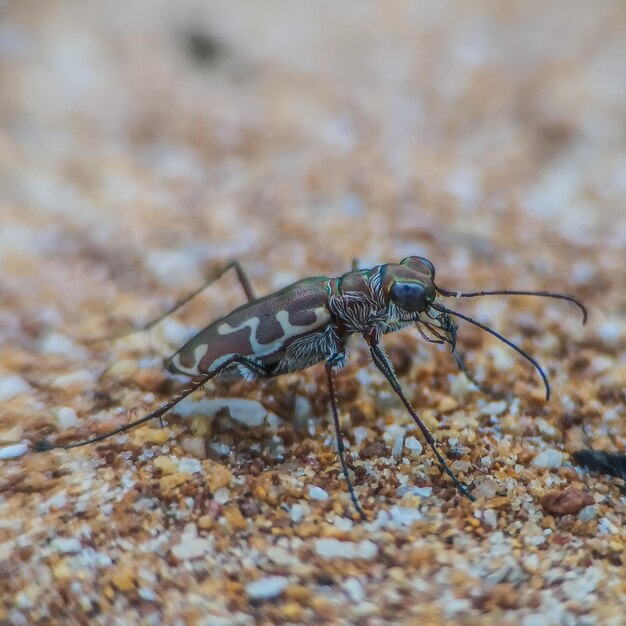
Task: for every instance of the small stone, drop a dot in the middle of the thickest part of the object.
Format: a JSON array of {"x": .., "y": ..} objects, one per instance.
[
  {"x": 248, "y": 412},
  {"x": 74, "y": 382},
  {"x": 280, "y": 556},
  {"x": 153, "y": 435},
  {"x": 234, "y": 518},
  {"x": 460, "y": 386},
  {"x": 146, "y": 594},
  {"x": 414, "y": 446},
  {"x": 317, "y": 493},
  {"x": 206, "y": 522},
  {"x": 493, "y": 409},
  {"x": 222, "y": 496},
  {"x": 66, "y": 418},
  {"x": 549, "y": 458},
  {"x": 12, "y": 434},
  {"x": 66, "y": 545},
  {"x": 124, "y": 577},
  {"x": 11, "y": 386},
  {"x": 447, "y": 404},
  {"x": 296, "y": 513},
  {"x": 191, "y": 547},
  {"x": 266, "y": 588},
  {"x": 330, "y": 548},
  {"x": 193, "y": 466},
  {"x": 567, "y": 501},
  {"x": 61, "y": 570},
  {"x": 149, "y": 379},
  {"x": 195, "y": 446},
  {"x": 166, "y": 464},
  {"x": 293, "y": 612},
  {"x": 173, "y": 480},
  {"x": 14, "y": 451},
  {"x": 218, "y": 476},
  {"x": 56, "y": 343},
  {"x": 404, "y": 516},
  {"x": 588, "y": 513}
]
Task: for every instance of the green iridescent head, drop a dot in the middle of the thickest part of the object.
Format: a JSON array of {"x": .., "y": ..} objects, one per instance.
[{"x": 410, "y": 284}]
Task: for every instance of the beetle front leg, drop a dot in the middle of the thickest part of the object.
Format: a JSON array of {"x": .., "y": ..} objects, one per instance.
[
  {"x": 482, "y": 388},
  {"x": 382, "y": 362},
  {"x": 331, "y": 363}
]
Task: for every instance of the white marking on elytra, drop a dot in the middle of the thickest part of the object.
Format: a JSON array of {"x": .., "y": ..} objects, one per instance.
[{"x": 322, "y": 317}]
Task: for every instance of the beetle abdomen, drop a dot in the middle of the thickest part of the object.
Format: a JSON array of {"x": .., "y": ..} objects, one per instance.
[{"x": 258, "y": 329}]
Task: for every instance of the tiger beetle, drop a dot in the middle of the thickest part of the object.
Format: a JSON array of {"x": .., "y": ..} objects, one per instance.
[{"x": 311, "y": 321}]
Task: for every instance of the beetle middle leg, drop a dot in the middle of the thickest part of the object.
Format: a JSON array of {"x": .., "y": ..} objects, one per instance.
[
  {"x": 330, "y": 373},
  {"x": 381, "y": 360}
]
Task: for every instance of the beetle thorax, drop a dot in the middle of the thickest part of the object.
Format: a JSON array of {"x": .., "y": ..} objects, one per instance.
[{"x": 358, "y": 304}]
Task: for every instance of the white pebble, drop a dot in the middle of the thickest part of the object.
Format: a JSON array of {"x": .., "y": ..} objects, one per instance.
[
  {"x": 222, "y": 495},
  {"x": 404, "y": 516},
  {"x": 296, "y": 513},
  {"x": 248, "y": 412},
  {"x": 82, "y": 379},
  {"x": 187, "y": 464},
  {"x": 367, "y": 550},
  {"x": 414, "y": 446},
  {"x": 66, "y": 418},
  {"x": 280, "y": 556},
  {"x": 610, "y": 330},
  {"x": 606, "y": 527},
  {"x": 55, "y": 343},
  {"x": 329, "y": 548},
  {"x": 354, "y": 589},
  {"x": 317, "y": 493},
  {"x": 549, "y": 458},
  {"x": 460, "y": 386},
  {"x": 191, "y": 547},
  {"x": 266, "y": 588},
  {"x": 344, "y": 523},
  {"x": 146, "y": 594},
  {"x": 491, "y": 518},
  {"x": 66, "y": 545},
  {"x": 11, "y": 386},
  {"x": 492, "y": 409},
  {"x": 422, "y": 492},
  {"x": 14, "y": 451},
  {"x": 536, "y": 619},
  {"x": 588, "y": 513}
]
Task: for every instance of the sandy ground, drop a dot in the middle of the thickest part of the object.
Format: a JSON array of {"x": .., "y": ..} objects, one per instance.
[{"x": 143, "y": 144}]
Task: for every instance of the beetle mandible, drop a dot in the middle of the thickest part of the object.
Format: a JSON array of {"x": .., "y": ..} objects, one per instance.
[{"x": 310, "y": 321}]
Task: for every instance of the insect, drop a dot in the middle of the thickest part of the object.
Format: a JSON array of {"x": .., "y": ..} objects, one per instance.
[
  {"x": 611, "y": 463},
  {"x": 310, "y": 321}
]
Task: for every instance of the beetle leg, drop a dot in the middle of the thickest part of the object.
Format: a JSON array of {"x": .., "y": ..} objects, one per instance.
[
  {"x": 257, "y": 368},
  {"x": 254, "y": 367},
  {"x": 382, "y": 362},
  {"x": 196, "y": 384},
  {"x": 241, "y": 276},
  {"x": 482, "y": 388},
  {"x": 337, "y": 358}
]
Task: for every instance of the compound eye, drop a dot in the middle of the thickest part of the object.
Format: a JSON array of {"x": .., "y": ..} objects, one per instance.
[
  {"x": 420, "y": 260},
  {"x": 409, "y": 296}
]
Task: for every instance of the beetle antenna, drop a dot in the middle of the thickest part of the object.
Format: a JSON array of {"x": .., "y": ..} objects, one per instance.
[
  {"x": 503, "y": 339},
  {"x": 509, "y": 292}
]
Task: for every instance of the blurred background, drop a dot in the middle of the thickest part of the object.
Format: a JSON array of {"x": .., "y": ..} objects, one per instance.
[{"x": 141, "y": 141}]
